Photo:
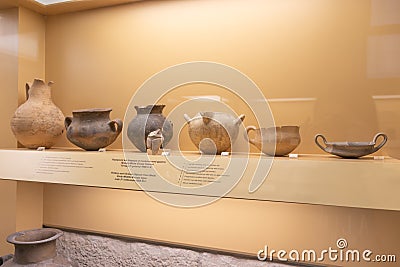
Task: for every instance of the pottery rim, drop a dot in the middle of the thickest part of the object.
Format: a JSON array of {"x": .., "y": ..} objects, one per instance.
[
  {"x": 283, "y": 127},
  {"x": 156, "y": 108},
  {"x": 90, "y": 110},
  {"x": 49, "y": 233}
]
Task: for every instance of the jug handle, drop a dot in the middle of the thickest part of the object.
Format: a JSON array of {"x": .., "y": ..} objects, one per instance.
[
  {"x": 385, "y": 138},
  {"x": 67, "y": 122},
  {"x": 246, "y": 136},
  {"x": 240, "y": 119},
  {"x": 27, "y": 88},
  {"x": 318, "y": 144},
  {"x": 187, "y": 118},
  {"x": 118, "y": 128}
]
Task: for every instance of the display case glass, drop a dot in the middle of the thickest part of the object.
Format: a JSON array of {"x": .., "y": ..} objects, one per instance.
[
  {"x": 326, "y": 67},
  {"x": 310, "y": 72}
]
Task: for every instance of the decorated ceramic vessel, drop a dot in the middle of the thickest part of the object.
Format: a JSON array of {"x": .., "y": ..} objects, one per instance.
[
  {"x": 92, "y": 129},
  {"x": 213, "y": 132}
]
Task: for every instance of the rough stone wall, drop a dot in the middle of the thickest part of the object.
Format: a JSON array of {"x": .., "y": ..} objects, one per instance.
[{"x": 92, "y": 250}]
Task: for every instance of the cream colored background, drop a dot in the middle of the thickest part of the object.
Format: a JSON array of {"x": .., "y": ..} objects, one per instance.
[
  {"x": 317, "y": 61},
  {"x": 8, "y": 72},
  {"x": 21, "y": 59},
  {"x": 331, "y": 67},
  {"x": 31, "y": 49},
  {"x": 8, "y": 103},
  {"x": 228, "y": 224}
]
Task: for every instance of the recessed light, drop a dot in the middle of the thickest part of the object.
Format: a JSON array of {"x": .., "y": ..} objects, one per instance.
[{"x": 51, "y": 2}]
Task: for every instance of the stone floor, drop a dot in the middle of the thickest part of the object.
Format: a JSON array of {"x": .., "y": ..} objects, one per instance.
[{"x": 93, "y": 250}]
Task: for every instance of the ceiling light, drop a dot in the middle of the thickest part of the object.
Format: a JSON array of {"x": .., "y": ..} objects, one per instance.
[{"x": 51, "y": 2}]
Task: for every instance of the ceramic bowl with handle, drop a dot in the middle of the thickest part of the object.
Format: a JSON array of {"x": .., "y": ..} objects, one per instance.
[
  {"x": 274, "y": 141},
  {"x": 351, "y": 149}
]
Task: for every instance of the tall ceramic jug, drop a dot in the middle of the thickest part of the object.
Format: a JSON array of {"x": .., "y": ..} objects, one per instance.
[{"x": 38, "y": 122}]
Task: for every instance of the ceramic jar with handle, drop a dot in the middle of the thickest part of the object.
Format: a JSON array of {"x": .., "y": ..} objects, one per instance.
[
  {"x": 38, "y": 122},
  {"x": 92, "y": 129},
  {"x": 274, "y": 141}
]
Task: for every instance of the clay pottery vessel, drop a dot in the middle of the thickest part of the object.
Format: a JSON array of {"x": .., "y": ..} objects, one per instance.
[
  {"x": 38, "y": 122},
  {"x": 213, "y": 132},
  {"x": 154, "y": 141},
  {"x": 285, "y": 139},
  {"x": 149, "y": 119},
  {"x": 92, "y": 129},
  {"x": 351, "y": 149},
  {"x": 36, "y": 248}
]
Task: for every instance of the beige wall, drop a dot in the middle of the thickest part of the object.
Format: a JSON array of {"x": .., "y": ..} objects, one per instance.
[
  {"x": 29, "y": 214},
  {"x": 318, "y": 71},
  {"x": 336, "y": 76},
  {"x": 8, "y": 204},
  {"x": 316, "y": 61},
  {"x": 21, "y": 59},
  {"x": 31, "y": 60},
  {"x": 31, "y": 49},
  {"x": 8, "y": 103},
  {"x": 8, "y": 72},
  {"x": 244, "y": 226}
]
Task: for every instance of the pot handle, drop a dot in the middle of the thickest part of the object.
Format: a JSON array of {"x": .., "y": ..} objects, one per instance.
[
  {"x": 239, "y": 119},
  {"x": 246, "y": 135},
  {"x": 116, "y": 125},
  {"x": 67, "y": 122},
  {"x": 318, "y": 144},
  {"x": 206, "y": 119},
  {"x": 187, "y": 118},
  {"x": 385, "y": 138}
]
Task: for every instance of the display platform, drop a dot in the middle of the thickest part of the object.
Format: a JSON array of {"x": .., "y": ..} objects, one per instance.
[{"x": 312, "y": 179}]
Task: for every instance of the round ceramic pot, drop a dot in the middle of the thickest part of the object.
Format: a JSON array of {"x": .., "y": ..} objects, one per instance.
[
  {"x": 149, "y": 119},
  {"x": 213, "y": 132},
  {"x": 92, "y": 129},
  {"x": 38, "y": 122},
  {"x": 36, "y": 248}
]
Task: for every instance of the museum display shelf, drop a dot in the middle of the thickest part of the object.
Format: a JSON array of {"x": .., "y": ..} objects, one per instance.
[
  {"x": 339, "y": 84},
  {"x": 368, "y": 182}
]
